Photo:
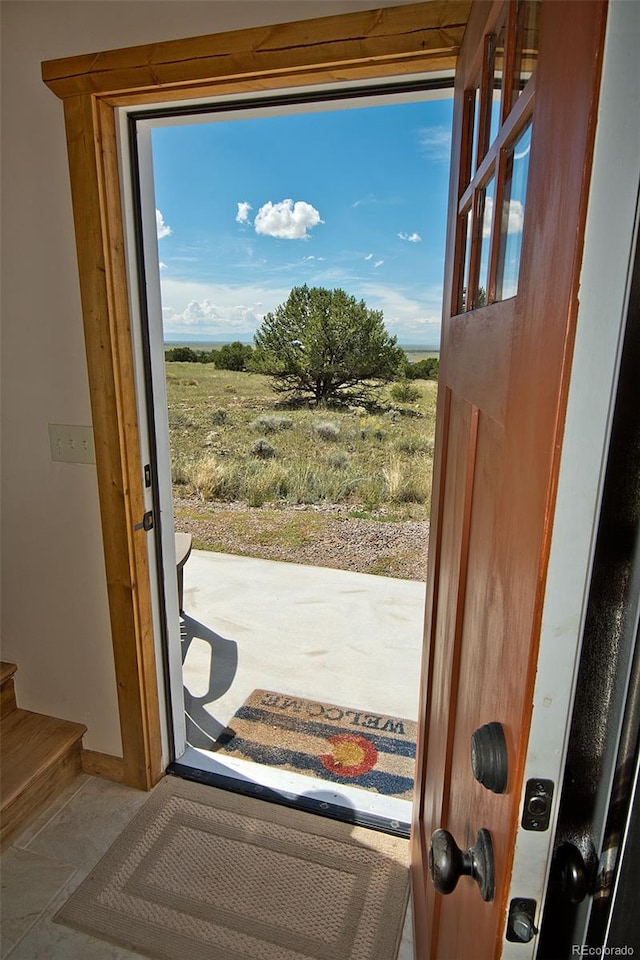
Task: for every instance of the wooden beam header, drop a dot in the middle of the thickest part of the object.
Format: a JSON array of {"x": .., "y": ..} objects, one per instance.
[{"x": 421, "y": 35}]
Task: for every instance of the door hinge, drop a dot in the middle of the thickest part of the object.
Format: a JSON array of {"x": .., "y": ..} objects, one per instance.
[
  {"x": 147, "y": 522},
  {"x": 537, "y": 804}
]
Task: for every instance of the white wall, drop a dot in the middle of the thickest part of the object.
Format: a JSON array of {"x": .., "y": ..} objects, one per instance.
[{"x": 55, "y": 620}]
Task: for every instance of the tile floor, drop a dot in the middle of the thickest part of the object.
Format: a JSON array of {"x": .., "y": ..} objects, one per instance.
[{"x": 52, "y": 857}]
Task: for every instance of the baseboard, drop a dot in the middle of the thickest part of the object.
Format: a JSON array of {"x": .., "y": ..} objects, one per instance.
[{"x": 103, "y": 765}]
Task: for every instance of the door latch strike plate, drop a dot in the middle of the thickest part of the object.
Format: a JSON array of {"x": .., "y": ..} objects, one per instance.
[
  {"x": 520, "y": 925},
  {"x": 147, "y": 475},
  {"x": 147, "y": 522},
  {"x": 537, "y": 804}
]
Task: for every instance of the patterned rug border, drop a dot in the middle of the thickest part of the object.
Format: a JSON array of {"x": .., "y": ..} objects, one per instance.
[
  {"x": 158, "y": 820},
  {"x": 328, "y": 741}
]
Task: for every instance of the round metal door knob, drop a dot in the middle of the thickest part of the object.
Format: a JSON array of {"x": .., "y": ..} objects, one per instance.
[
  {"x": 572, "y": 871},
  {"x": 447, "y": 863}
]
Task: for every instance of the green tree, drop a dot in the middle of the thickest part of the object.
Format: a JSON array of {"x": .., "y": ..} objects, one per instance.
[
  {"x": 233, "y": 356},
  {"x": 426, "y": 369},
  {"x": 327, "y": 344},
  {"x": 181, "y": 355}
]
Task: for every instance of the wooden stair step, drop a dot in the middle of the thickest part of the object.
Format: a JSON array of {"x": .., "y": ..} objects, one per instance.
[
  {"x": 7, "y": 689},
  {"x": 7, "y": 670},
  {"x": 40, "y": 756}
]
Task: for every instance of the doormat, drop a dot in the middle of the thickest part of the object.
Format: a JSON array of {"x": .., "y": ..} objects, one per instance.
[
  {"x": 204, "y": 873},
  {"x": 339, "y": 744}
]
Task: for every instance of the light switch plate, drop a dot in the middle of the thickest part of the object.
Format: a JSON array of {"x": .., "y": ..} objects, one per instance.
[{"x": 71, "y": 444}]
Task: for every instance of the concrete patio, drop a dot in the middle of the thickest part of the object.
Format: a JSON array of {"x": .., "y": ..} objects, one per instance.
[
  {"x": 321, "y": 634},
  {"x": 346, "y": 638}
]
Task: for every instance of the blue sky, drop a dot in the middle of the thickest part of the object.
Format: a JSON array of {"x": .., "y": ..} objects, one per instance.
[{"x": 349, "y": 198}]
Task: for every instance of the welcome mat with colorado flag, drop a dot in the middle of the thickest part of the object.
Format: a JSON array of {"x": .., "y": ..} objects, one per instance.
[{"x": 369, "y": 750}]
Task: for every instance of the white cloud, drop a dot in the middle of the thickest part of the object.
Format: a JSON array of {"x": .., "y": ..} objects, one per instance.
[
  {"x": 217, "y": 310},
  {"x": 410, "y": 318},
  {"x": 411, "y": 237},
  {"x": 369, "y": 256},
  {"x": 365, "y": 201},
  {"x": 435, "y": 142},
  {"x": 242, "y": 216},
  {"x": 287, "y": 220},
  {"x": 378, "y": 263},
  {"x": 162, "y": 229},
  {"x": 162, "y": 265},
  {"x": 318, "y": 259},
  {"x": 516, "y": 217}
]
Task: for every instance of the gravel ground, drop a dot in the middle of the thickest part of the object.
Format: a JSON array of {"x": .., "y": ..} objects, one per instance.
[{"x": 321, "y": 536}]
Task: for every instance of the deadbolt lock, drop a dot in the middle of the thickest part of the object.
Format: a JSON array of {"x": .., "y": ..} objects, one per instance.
[{"x": 489, "y": 760}]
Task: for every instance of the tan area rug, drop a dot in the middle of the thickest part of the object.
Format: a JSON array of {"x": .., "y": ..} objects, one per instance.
[
  {"x": 340, "y": 744},
  {"x": 205, "y": 874}
]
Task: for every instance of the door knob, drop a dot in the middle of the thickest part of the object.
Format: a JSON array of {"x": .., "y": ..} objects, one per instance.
[
  {"x": 571, "y": 872},
  {"x": 447, "y": 863}
]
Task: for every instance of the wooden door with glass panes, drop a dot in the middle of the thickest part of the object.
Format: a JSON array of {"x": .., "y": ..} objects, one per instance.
[{"x": 524, "y": 116}]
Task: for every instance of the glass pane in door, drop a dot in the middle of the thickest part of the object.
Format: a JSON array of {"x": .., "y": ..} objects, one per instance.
[
  {"x": 513, "y": 206},
  {"x": 526, "y": 50},
  {"x": 464, "y": 300},
  {"x": 498, "y": 45},
  {"x": 485, "y": 220}
]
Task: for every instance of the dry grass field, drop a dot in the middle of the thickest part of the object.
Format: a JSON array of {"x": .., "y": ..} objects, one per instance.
[{"x": 254, "y": 475}]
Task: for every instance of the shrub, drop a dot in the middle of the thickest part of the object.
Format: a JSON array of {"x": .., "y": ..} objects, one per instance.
[
  {"x": 219, "y": 417},
  {"x": 326, "y": 430},
  {"x": 371, "y": 492},
  {"x": 187, "y": 355},
  {"x": 393, "y": 474},
  {"x": 180, "y": 420},
  {"x": 338, "y": 460},
  {"x": 216, "y": 481},
  {"x": 405, "y": 392},
  {"x": 181, "y": 355},
  {"x": 426, "y": 369},
  {"x": 414, "y": 444},
  {"x": 271, "y": 424},
  {"x": 263, "y": 449},
  {"x": 408, "y": 483},
  {"x": 266, "y": 483},
  {"x": 310, "y": 483},
  {"x": 180, "y": 471},
  {"x": 233, "y": 356}
]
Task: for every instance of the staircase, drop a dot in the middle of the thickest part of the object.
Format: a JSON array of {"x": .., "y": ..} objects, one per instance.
[{"x": 39, "y": 757}]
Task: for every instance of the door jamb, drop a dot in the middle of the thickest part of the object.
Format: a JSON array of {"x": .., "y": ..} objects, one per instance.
[{"x": 421, "y": 37}]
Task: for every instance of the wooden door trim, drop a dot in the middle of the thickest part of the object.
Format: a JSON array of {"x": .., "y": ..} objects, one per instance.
[
  {"x": 402, "y": 39},
  {"x": 421, "y": 37}
]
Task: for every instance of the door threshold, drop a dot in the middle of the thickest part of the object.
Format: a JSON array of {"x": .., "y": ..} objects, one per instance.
[{"x": 342, "y": 802}]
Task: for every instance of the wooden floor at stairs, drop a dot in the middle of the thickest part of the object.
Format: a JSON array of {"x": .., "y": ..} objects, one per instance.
[{"x": 39, "y": 756}]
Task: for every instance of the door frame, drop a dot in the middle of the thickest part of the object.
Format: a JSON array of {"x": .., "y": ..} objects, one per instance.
[{"x": 374, "y": 44}]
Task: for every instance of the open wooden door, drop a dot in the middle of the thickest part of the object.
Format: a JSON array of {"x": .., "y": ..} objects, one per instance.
[{"x": 526, "y": 95}]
